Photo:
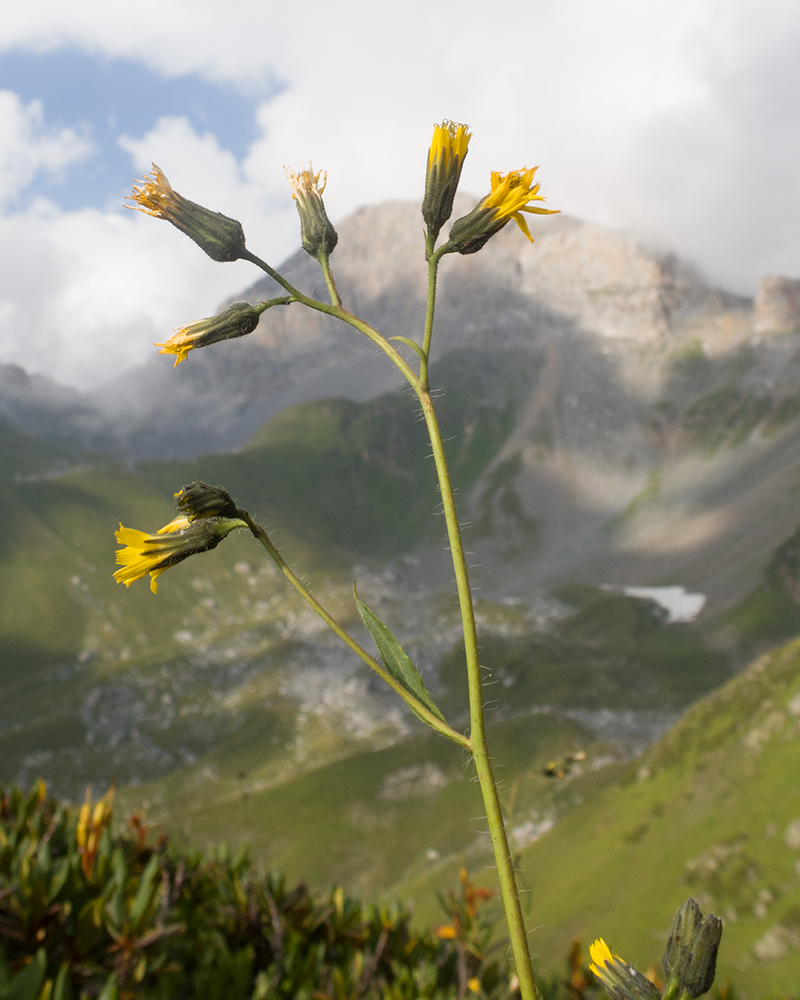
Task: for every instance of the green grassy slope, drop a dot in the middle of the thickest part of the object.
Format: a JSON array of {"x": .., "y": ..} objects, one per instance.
[{"x": 712, "y": 809}]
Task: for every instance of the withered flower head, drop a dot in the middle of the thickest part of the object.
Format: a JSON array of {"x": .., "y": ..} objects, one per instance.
[
  {"x": 316, "y": 229},
  {"x": 220, "y": 237}
]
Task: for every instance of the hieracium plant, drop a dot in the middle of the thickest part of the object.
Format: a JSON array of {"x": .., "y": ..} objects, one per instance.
[{"x": 207, "y": 514}]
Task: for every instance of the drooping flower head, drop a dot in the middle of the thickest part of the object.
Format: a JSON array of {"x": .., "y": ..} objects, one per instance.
[
  {"x": 316, "y": 230},
  {"x": 446, "y": 156},
  {"x": 621, "y": 980},
  {"x": 511, "y": 195},
  {"x": 220, "y": 237},
  {"x": 236, "y": 321},
  {"x": 154, "y": 553}
]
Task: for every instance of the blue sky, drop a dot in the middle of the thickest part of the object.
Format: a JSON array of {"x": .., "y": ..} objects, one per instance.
[
  {"x": 104, "y": 97},
  {"x": 678, "y": 120}
]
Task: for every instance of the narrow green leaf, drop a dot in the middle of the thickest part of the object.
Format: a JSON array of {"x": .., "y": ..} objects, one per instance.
[
  {"x": 28, "y": 984},
  {"x": 396, "y": 660},
  {"x": 144, "y": 894},
  {"x": 413, "y": 345}
]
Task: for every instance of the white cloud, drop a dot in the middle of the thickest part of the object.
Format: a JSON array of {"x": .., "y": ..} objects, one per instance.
[
  {"x": 677, "y": 119},
  {"x": 28, "y": 147}
]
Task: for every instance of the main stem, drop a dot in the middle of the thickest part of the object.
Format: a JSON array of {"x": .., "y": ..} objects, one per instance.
[{"x": 480, "y": 751}]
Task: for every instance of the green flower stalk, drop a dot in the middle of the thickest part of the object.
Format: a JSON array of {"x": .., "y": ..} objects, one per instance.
[
  {"x": 208, "y": 512},
  {"x": 220, "y": 237}
]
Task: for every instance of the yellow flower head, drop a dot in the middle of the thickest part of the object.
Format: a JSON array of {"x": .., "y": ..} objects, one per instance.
[
  {"x": 236, "y": 321},
  {"x": 621, "y": 980},
  {"x": 316, "y": 230},
  {"x": 511, "y": 195},
  {"x": 446, "y": 157},
  {"x": 220, "y": 237},
  {"x": 145, "y": 553},
  {"x": 601, "y": 957}
]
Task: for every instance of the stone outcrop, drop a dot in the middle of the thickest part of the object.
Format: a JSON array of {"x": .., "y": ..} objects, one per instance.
[{"x": 777, "y": 305}]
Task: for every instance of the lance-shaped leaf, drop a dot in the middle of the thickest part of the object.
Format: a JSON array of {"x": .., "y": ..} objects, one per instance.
[{"x": 396, "y": 660}]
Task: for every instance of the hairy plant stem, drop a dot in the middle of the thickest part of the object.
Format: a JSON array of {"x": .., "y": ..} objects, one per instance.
[
  {"x": 480, "y": 750},
  {"x": 434, "y": 722},
  {"x": 476, "y": 743}
]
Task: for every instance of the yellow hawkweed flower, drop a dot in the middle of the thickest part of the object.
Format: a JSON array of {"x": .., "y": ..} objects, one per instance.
[
  {"x": 621, "y": 980},
  {"x": 446, "y": 156},
  {"x": 511, "y": 195},
  {"x": 601, "y": 957},
  {"x": 220, "y": 237},
  {"x": 236, "y": 321},
  {"x": 316, "y": 230},
  {"x": 145, "y": 553}
]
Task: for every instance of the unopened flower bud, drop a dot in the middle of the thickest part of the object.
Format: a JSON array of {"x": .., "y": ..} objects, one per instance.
[
  {"x": 690, "y": 958},
  {"x": 199, "y": 500},
  {"x": 446, "y": 156},
  {"x": 236, "y": 321},
  {"x": 509, "y": 198},
  {"x": 621, "y": 980},
  {"x": 220, "y": 237},
  {"x": 316, "y": 229}
]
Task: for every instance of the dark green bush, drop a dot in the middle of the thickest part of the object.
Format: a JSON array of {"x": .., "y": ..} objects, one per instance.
[{"x": 88, "y": 911}]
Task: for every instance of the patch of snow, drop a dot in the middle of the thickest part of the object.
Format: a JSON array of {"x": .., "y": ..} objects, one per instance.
[{"x": 680, "y": 605}]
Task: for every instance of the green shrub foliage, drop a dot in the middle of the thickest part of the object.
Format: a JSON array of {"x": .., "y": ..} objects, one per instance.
[{"x": 89, "y": 909}]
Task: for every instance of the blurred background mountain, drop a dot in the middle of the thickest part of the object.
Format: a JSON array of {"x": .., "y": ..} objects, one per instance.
[{"x": 626, "y": 445}]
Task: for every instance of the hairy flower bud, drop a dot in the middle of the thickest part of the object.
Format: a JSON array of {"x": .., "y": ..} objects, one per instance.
[
  {"x": 509, "y": 198},
  {"x": 316, "y": 229},
  {"x": 220, "y": 237},
  {"x": 236, "y": 321},
  {"x": 199, "y": 500},
  {"x": 446, "y": 156},
  {"x": 690, "y": 958}
]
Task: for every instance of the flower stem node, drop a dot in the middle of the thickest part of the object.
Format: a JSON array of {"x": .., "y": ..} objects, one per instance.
[
  {"x": 690, "y": 958},
  {"x": 220, "y": 237},
  {"x": 510, "y": 196},
  {"x": 621, "y": 980},
  {"x": 176, "y": 541},
  {"x": 446, "y": 157},
  {"x": 316, "y": 229},
  {"x": 199, "y": 500},
  {"x": 236, "y": 321}
]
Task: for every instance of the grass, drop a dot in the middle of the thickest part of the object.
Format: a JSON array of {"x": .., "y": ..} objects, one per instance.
[{"x": 704, "y": 812}]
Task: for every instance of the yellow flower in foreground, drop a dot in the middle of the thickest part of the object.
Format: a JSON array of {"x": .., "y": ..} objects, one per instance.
[
  {"x": 236, "y": 321},
  {"x": 621, "y": 980},
  {"x": 145, "y": 553},
  {"x": 601, "y": 957},
  {"x": 446, "y": 157},
  {"x": 220, "y": 237},
  {"x": 511, "y": 195}
]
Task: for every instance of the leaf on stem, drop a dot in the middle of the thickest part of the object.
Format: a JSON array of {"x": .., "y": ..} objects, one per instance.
[
  {"x": 413, "y": 345},
  {"x": 396, "y": 660}
]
